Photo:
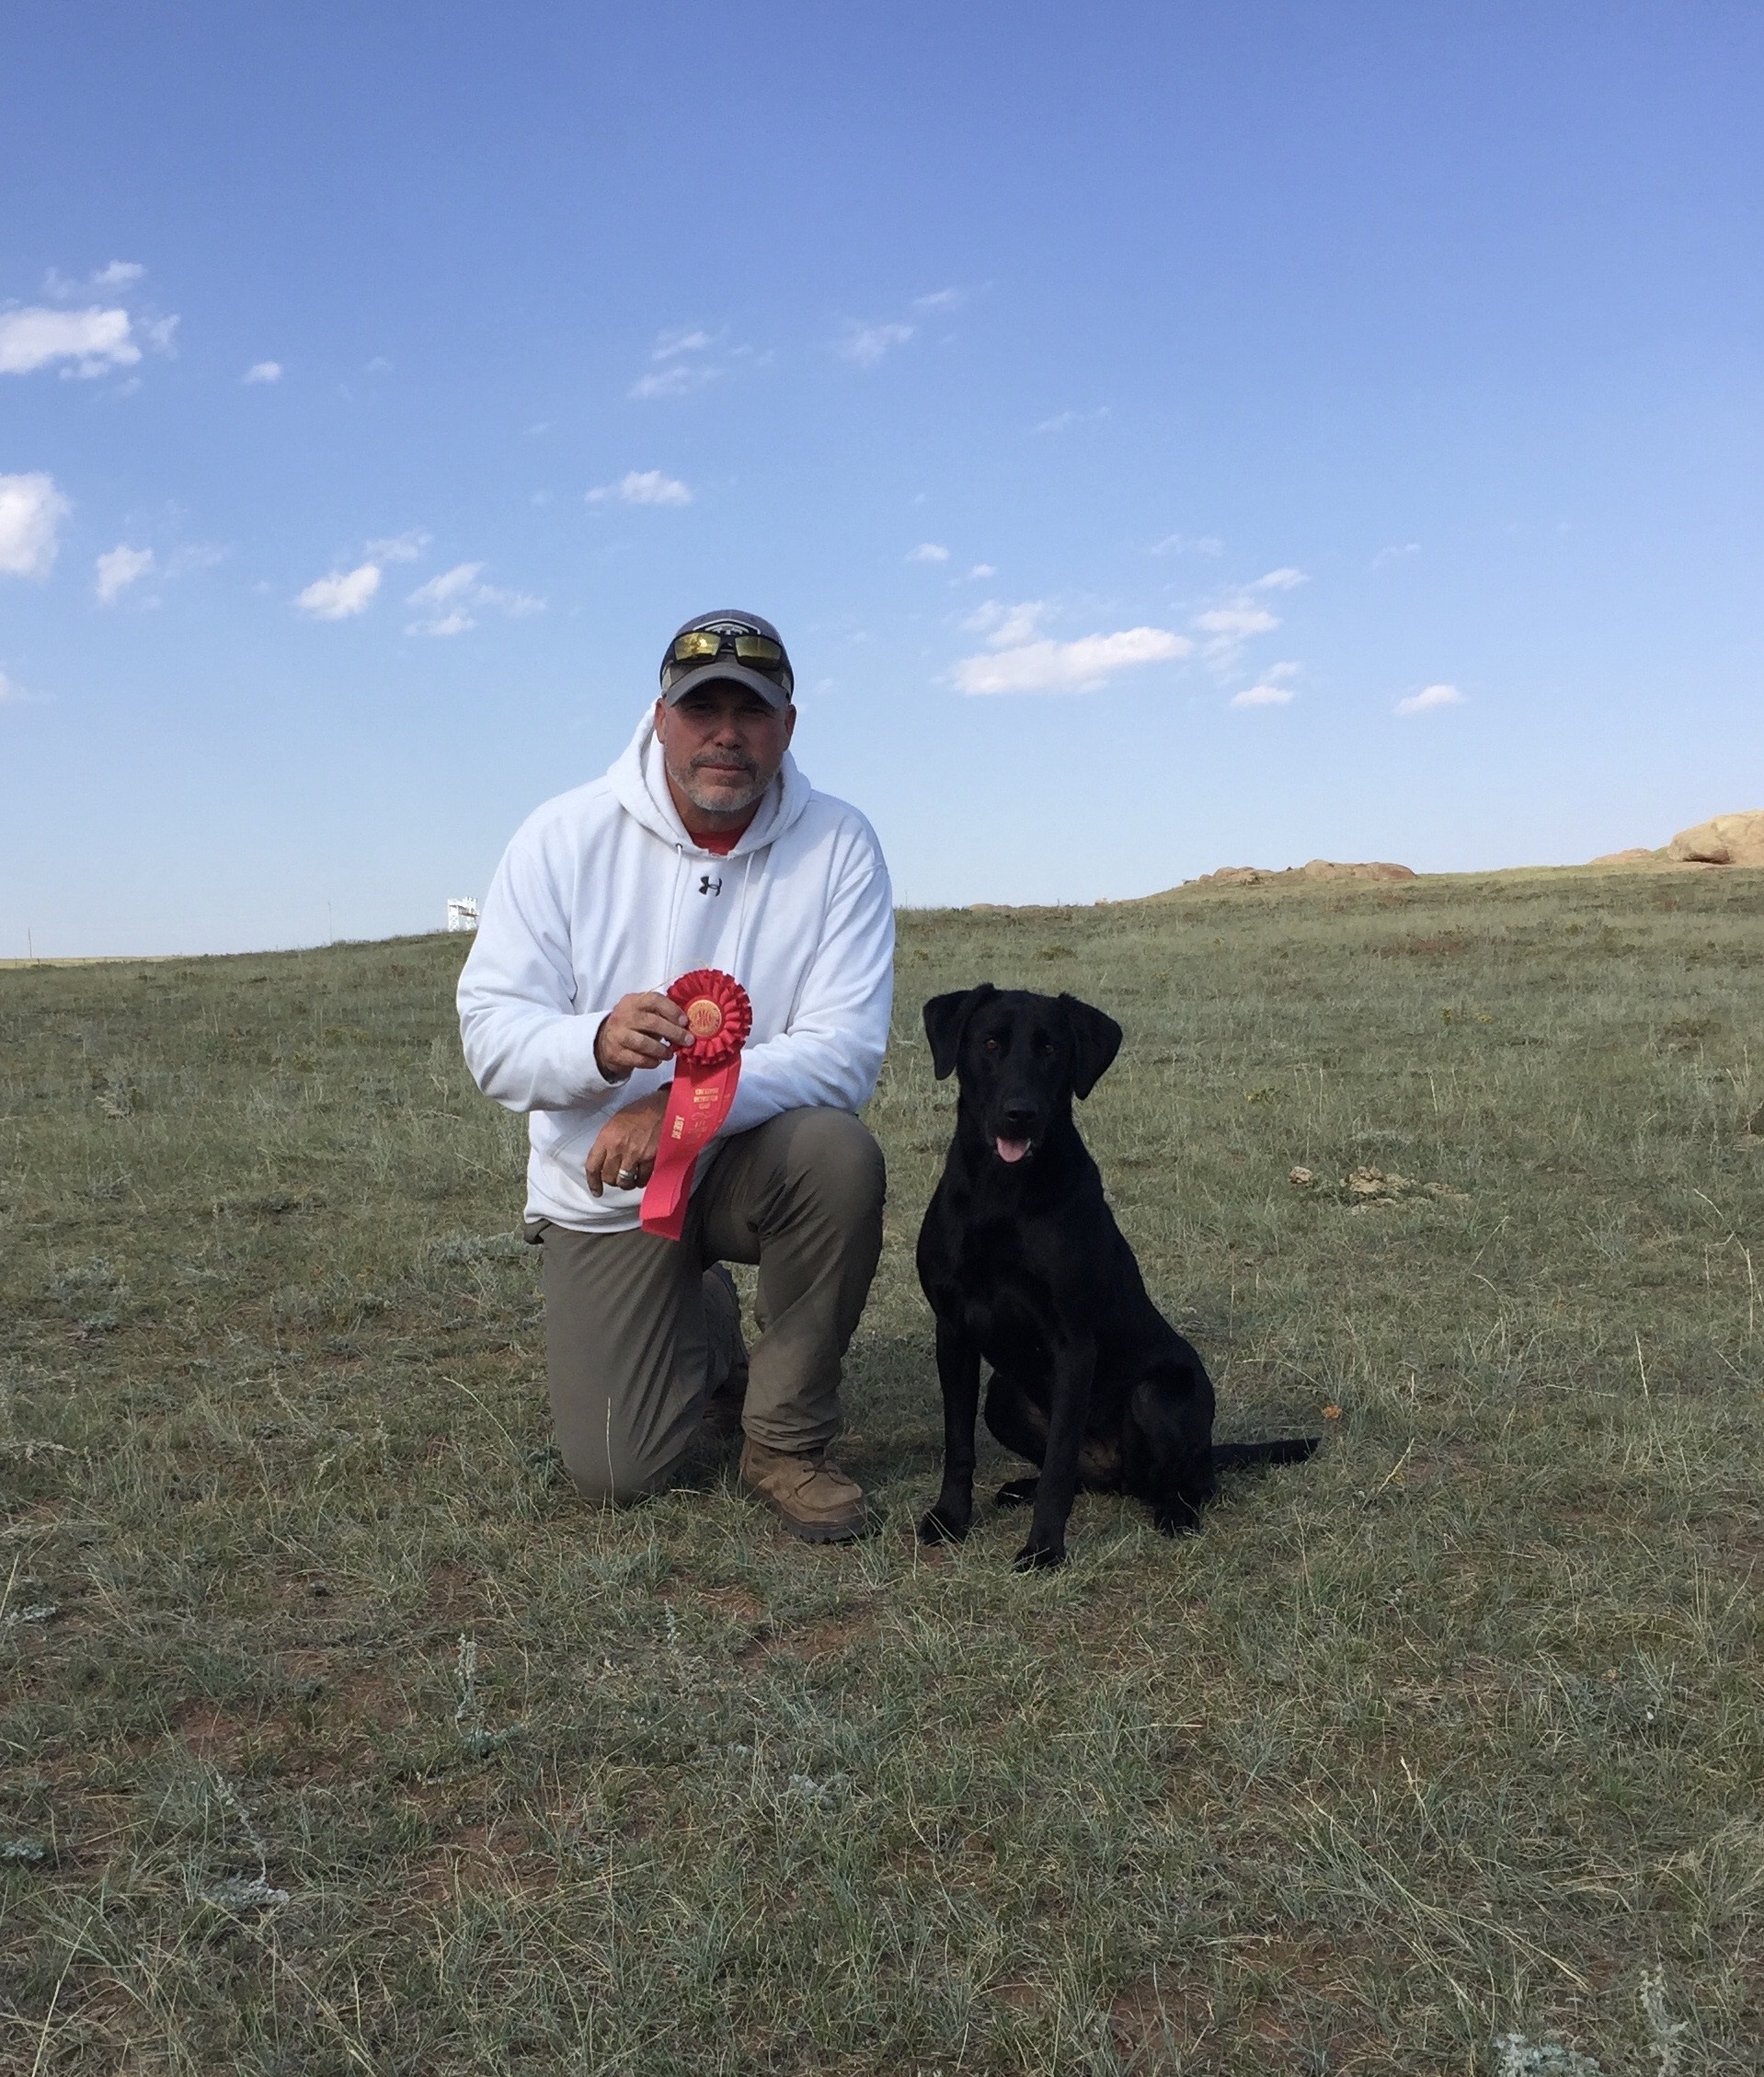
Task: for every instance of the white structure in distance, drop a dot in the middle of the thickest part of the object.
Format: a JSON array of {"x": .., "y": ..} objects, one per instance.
[{"x": 461, "y": 911}]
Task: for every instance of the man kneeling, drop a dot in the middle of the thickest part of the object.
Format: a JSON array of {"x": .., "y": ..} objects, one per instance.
[{"x": 702, "y": 846}]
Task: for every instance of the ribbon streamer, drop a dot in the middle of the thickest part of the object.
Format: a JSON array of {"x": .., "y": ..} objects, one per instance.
[{"x": 719, "y": 1016}]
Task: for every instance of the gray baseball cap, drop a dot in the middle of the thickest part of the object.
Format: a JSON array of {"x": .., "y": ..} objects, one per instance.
[{"x": 738, "y": 646}]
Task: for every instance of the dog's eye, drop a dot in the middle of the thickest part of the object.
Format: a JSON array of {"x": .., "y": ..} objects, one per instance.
[{"x": 989, "y": 1045}]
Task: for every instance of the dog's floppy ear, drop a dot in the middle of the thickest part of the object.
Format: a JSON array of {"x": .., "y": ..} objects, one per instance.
[
  {"x": 1095, "y": 1040},
  {"x": 945, "y": 1017}
]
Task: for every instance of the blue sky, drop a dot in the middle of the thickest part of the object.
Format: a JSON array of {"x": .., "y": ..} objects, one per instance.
[{"x": 1167, "y": 436}]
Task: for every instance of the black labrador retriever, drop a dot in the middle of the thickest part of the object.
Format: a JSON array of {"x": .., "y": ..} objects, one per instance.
[{"x": 1023, "y": 1266}]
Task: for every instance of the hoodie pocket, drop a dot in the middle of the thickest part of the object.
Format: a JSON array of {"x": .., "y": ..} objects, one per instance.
[{"x": 569, "y": 1150}]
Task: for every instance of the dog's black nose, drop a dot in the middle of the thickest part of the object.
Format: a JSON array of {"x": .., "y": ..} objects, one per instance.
[{"x": 1017, "y": 1117}]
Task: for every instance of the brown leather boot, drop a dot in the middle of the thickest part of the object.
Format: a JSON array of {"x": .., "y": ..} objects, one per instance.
[{"x": 808, "y": 1494}]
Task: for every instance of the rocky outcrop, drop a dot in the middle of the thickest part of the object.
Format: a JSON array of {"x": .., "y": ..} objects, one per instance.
[
  {"x": 1326, "y": 869},
  {"x": 1724, "y": 839},
  {"x": 1721, "y": 841},
  {"x": 1317, "y": 869}
]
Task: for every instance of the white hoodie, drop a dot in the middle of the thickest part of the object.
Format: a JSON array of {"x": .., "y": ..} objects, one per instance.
[{"x": 603, "y": 893}]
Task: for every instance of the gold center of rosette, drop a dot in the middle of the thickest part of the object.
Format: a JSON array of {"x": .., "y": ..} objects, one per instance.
[{"x": 703, "y": 1017}]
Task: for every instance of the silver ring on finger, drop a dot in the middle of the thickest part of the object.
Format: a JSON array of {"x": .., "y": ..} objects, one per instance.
[{"x": 626, "y": 1179}]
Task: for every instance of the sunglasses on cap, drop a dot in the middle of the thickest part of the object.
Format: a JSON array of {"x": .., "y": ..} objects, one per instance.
[
  {"x": 699, "y": 642},
  {"x": 727, "y": 644}
]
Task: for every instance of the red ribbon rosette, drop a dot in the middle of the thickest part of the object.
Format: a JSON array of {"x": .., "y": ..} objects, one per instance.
[{"x": 719, "y": 1016}]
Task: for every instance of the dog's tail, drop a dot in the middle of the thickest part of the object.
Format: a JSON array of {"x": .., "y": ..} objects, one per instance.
[{"x": 1252, "y": 1456}]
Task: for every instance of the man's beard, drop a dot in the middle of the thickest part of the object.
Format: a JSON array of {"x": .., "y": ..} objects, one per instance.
[{"x": 720, "y": 802}]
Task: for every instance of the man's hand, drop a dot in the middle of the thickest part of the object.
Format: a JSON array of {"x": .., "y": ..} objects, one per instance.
[
  {"x": 625, "y": 1152},
  {"x": 638, "y": 1031}
]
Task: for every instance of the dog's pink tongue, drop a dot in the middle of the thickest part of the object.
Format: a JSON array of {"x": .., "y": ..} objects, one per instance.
[{"x": 1012, "y": 1150}]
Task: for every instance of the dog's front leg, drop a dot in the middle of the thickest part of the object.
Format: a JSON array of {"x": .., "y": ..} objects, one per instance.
[
  {"x": 959, "y": 1371},
  {"x": 1074, "y": 1365}
]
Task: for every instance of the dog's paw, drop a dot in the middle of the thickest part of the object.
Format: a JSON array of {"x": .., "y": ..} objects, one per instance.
[
  {"x": 1038, "y": 1557},
  {"x": 1179, "y": 1521},
  {"x": 940, "y": 1527},
  {"x": 1016, "y": 1492}
]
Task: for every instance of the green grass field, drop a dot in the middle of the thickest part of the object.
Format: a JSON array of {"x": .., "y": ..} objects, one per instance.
[{"x": 336, "y": 1735}]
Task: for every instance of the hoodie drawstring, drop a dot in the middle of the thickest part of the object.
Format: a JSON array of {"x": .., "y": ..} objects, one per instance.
[
  {"x": 741, "y": 914},
  {"x": 682, "y": 873}
]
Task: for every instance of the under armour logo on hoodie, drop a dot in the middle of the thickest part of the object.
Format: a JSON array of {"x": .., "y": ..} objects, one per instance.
[{"x": 708, "y": 885}]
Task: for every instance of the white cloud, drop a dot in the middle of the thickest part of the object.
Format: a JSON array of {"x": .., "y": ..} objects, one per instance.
[
  {"x": 1280, "y": 580},
  {"x": 379, "y": 365},
  {"x": 978, "y": 571},
  {"x": 867, "y": 344},
  {"x": 1262, "y": 695},
  {"x": 263, "y": 372},
  {"x": 679, "y": 380},
  {"x": 119, "y": 567},
  {"x": 1068, "y": 667},
  {"x": 674, "y": 371},
  {"x": 1229, "y": 625},
  {"x": 668, "y": 344},
  {"x": 954, "y": 298},
  {"x": 454, "y": 597},
  {"x": 928, "y": 552},
  {"x": 120, "y": 274},
  {"x": 1188, "y": 544},
  {"x": 1430, "y": 697},
  {"x": 1005, "y": 626},
  {"x": 649, "y": 486},
  {"x": 397, "y": 547},
  {"x": 341, "y": 595},
  {"x": 12, "y": 693},
  {"x": 1062, "y": 421},
  {"x": 1236, "y": 623},
  {"x": 450, "y": 585},
  {"x": 92, "y": 341},
  {"x": 1395, "y": 553},
  {"x": 32, "y": 509},
  {"x": 1270, "y": 690},
  {"x": 642, "y": 486}
]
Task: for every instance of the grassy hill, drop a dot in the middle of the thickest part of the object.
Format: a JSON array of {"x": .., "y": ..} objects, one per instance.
[{"x": 335, "y": 1735}]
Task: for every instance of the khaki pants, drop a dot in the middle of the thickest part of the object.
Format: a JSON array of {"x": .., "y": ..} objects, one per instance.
[{"x": 629, "y": 1358}]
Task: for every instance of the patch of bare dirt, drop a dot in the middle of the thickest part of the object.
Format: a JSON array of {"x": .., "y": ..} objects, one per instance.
[
  {"x": 812, "y": 1641},
  {"x": 1366, "y": 1190},
  {"x": 498, "y": 1858},
  {"x": 210, "y": 1733},
  {"x": 454, "y": 1596},
  {"x": 740, "y": 1603},
  {"x": 1287, "y": 1983}
]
